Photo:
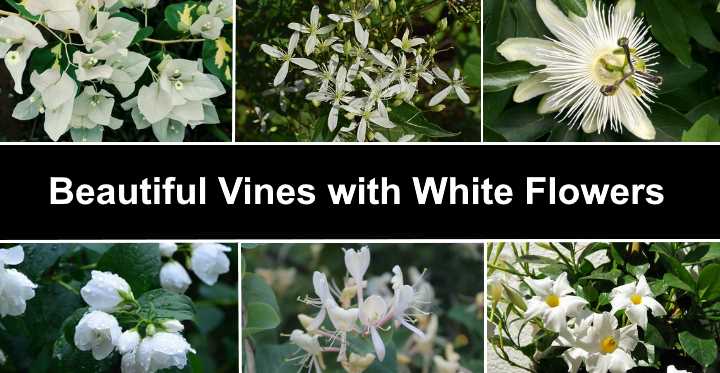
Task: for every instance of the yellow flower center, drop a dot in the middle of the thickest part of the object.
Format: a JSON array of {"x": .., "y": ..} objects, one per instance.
[
  {"x": 608, "y": 67},
  {"x": 636, "y": 299},
  {"x": 552, "y": 300},
  {"x": 608, "y": 345}
]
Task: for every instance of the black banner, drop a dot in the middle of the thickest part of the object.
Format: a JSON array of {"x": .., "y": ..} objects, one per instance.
[{"x": 648, "y": 192}]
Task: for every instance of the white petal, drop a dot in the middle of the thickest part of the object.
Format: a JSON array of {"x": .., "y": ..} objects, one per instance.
[
  {"x": 640, "y": 125},
  {"x": 281, "y": 74},
  {"x": 460, "y": 92},
  {"x": 642, "y": 286},
  {"x": 524, "y": 49},
  {"x": 440, "y": 96},
  {"x": 297, "y": 27},
  {"x": 333, "y": 118},
  {"x": 542, "y": 287},
  {"x": 531, "y": 88},
  {"x": 310, "y": 44},
  {"x": 441, "y": 74},
  {"x": 270, "y": 50},
  {"x": 555, "y": 319},
  {"x": 590, "y": 125},
  {"x": 382, "y": 58},
  {"x": 554, "y": 18},
  {"x": 545, "y": 107},
  {"x": 535, "y": 307},
  {"x": 292, "y": 44},
  {"x": 654, "y": 306},
  {"x": 378, "y": 344},
  {"x": 315, "y": 15},
  {"x": 304, "y": 63},
  {"x": 382, "y": 121},
  {"x": 637, "y": 314},
  {"x": 625, "y": 8},
  {"x": 362, "y": 130}
]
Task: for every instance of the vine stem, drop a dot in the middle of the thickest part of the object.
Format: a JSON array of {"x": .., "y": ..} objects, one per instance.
[{"x": 249, "y": 357}]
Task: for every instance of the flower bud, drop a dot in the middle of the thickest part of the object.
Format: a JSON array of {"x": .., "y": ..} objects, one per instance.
[
  {"x": 173, "y": 326},
  {"x": 357, "y": 363},
  {"x": 375, "y": 3},
  {"x": 98, "y": 332},
  {"x": 167, "y": 249},
  {"x": 150, "y": 330},
  {"x": 106, "y": 291},
  {"x": 209, "y": 261},
  {"x": 438, "y": 108},
  {"x": 174, "y": 277},
  {"x": 392, "y": 5},
  {"x": 442, "y": 25},
  {"x": 128, "y": 341}
]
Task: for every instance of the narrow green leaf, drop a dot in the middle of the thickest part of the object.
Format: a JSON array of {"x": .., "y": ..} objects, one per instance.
[
  {"x": 697, "y": 25},
  {"x": 668, "y": 28},
  {"x": 673, "y": 281},
  {"x": 412, "y": 119},
  {"x": 612, "y": 276}
]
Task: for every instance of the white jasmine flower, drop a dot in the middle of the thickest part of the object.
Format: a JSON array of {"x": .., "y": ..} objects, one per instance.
[
  {"x": 105, "y": 291},
  {"x": 15, "y": 288},
  {"x": 287, "y": 58},
  {"x": 126, "y": 70},
  {"x": 373, "y": 313},
  {"x": 173, "y": 326},
  {"x": 167, "y": 249},
  {"x": 60, "y": 15},
  {"x": 672, "y": 369},
  {"x": 209, "y": 260},
  {"x": 552, "y": 302},
  {"x": 128, "y": 341},
  {"x": 313, "y": 352},
  {"x": 457, "y": 84},
  {"x": 596, "y": 69},
  {"x": 609, "y": 348},
  {"x": 354, "y": 15},
  {"x": 174, "y": 277},
  {"x": 357, "y": 263},
  {"x": 406, "y": 44},
  {"x": 18, "y": 31},
  {"x": 160, "y": 351},
  {"x": 313, "y": 29},
  {"x": 99, "y": 332},
  {"x": 636, "y": 299},
  {"x": 208, "y": 26}
]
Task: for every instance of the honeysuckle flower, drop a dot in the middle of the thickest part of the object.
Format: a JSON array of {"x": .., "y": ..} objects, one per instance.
[
  {"x": 354, "y": 15},
  {"x": 344, "y": 320},
  {"x": 596, "y": 71},
  {"x": 457, "y": 84},
  {"x": 397, "y": 280},
  {"x": 174, "y": 277},
  {"x": 128, "y": 341},
  {"x": 357, "y": 363},
  {"x": 15, "y": 288},
  {"x": 89, "y": 67},
  {"x": 287, "y": 58},
  {"x": 324, "y": 301},
  {"x": 444, "y": 366},
  {"x": 552, "y": 302},
  {"x": 313, "y": 352},
  {"x": 208, "y": 26},
  {"x": 105, "y": 291},
  {"x": 357, "y": 263},
  {"x": 636, "y": 299},
  {"x": 402, "y": 303},
  {"x": 18, "y": 31},
  {"x": 60, "y": 15},
  {"x": 112, "y": 35},
  {"x": 313, "y": 29},
  {"x": 373, "y": 313},
  {"x": 608, "y": 348},
  {"x": 98, "y": 332},
  {"x": 126, "y": 70},
  {"x": 167, "y": 249},
  {"x": 407, "y": 44},
  {"x": 162, "y": 350},
  {"x": 672, "y": 369},
  {"x": 209, "y": 261}
]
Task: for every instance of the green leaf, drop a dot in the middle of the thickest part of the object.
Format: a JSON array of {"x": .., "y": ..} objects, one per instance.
[
  {"x": 142, "y": 34},
  {"x": 709, "y": 283},
  {"x": 612, "y": 276},
  {"x": 699, "y": 344},
  {"x": 139, "y": 265},
  {"x": 46, "y": 312},
  {"x": 573, "y": 6},
  {"x": 703, "y": 253},
  {"x": 165, "y": 304},
  {"x": 217, "y": 58},
  {"x": 673, "y": 281},
  {"x": 39, "y": 258},
  {"x": 502, "y": 76},
  {"x": 22, "y": 10},
  {"x": 411, "y": 118},
  {"x": 669, "y": 123},
  {"x": 710, "y": 107},
  {"x": 704, "y": 130},
  {"x": 472, "y": 70},
  {"x": 697, "y": 25},
  {"x": 261, "y": 308},
  {"x": 677, "y": 76},
  {"x": 523, "y": 123},
  {"x": 659, "y": 334},
  {"x": 544, "y": 339},
  {"x": 668, "y": 28},
  {"x": 274, "y": 358},
  {"x": 677, "y": 270},
  {"x": 208, "y": 317}
]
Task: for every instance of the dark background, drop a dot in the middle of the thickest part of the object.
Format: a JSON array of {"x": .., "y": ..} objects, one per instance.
[{"x": 686, "y": 172}]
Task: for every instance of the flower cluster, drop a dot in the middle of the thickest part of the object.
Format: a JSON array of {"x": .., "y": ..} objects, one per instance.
[
  {"x": 15, "y": 288},
  {"x": 354, "y": 79},
  {"x": 206, "y": 260},
  {"x": 93, "y": 58},
  {"x": 149, "y": 346},
  {"x": 352, "y": 313}
]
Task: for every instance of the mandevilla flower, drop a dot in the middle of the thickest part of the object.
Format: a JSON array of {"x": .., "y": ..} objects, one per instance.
[
  {"x": 597, "y": 69},
  {"x": 174, "y": 277},
  {"x": 209, "y": 261},
  {"x": 636, "y": 299},
  {"x": 98, "y": 332},
  {"x": 608, "y": 348},
  {"x": 15, "y": 288},
  {"x": 106, "y": 291},
  {"x": 552, "y": 302}
]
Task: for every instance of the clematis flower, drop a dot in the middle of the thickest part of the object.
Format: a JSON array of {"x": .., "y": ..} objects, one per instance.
[
  {"x": 105, "y": 291},
  {"x": 457, "y": 84},
  {"x": 174, "y": 277},
  {"x": 373, "y": 313},
  {"x": 636, "y": 299},
  {"x": 15, "y": 288},
  {"x": 367, "y": 116},
  {"x": 60, "y": 15},
  {"x": 209, "y": 261},
  {"x": 595, "y": 71},
  {"x": 287, "y": 58},
  {"x": 313, "y": 352},
  {"x": 354, "y": 15},
  {"x": 313, "y": 29},
  {"x": 407, "y": 44},
  {"x": 608, "y": 348},
  {"x": 98, "y": 332},
  {"x": 338, "y": 95},
  {"x": 552, "y": 302},
  {"x": 18, "y": 31}
]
